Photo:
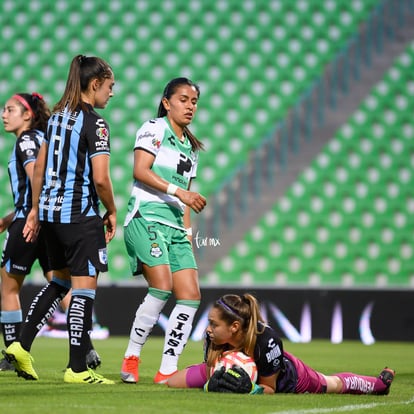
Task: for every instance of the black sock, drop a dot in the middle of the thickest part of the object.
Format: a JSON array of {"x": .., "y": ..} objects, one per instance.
[
  {"x": 11, "y": 332},
  {"x": 41, "y": 309},
  {"x": 79, "y": 326}
]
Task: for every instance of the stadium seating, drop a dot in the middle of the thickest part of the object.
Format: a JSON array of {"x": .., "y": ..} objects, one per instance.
[
  {"x": 347, "y": 219},
  {"x": 253, "y": 60}
]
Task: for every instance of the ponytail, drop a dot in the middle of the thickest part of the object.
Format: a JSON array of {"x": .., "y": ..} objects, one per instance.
[
  {"x": 82, "y": 70},
  {"x": 244, "y": 309}
]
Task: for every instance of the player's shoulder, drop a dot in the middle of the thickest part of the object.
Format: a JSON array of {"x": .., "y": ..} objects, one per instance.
[
  {"x": 32, "y": 135},
  {"x": 93, "y": 116},
  {"x": 266, "y": 332},
  {"x": 96, "y": 126},
  {"x": 155, "y": 124}
]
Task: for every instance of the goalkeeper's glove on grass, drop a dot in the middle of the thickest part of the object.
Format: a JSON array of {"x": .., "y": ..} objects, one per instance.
[{"x": 234, "y": 380}]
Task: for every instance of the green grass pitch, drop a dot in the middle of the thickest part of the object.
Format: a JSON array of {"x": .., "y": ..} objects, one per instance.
[{"x": 51, "y": 395}]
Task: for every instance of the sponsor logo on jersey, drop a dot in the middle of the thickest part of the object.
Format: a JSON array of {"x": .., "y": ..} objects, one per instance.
[
  {"x": 155, "y": 250},
  {"x": 274, "y": 352},
  {"x": 146, "y": 134},
  {"x": 102, "y": 145},
  {"x": 27, "y": 145}
]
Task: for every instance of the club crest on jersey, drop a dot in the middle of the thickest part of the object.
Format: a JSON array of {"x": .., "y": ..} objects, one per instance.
[
  {"x": 103, "y": 256},
  {"x": 155, "y": 250}
]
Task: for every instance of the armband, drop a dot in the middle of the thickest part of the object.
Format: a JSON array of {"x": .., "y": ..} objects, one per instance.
[{"x": 171, "y": 189}]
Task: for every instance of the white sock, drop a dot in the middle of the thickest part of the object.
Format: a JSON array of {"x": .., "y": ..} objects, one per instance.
[
  {"x": 145, "y": 318},
  {"x": 177, "y": 333}
]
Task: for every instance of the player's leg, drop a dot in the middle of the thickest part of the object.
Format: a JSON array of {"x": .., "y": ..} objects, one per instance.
[
  {"x": 350, "y": 383},
  {"x": 148, "y": 255},
  {"x": 42, "y": 305},
  {"x": 16, "y": 262},
  {"x": 85, "y": 249},
  {"x": 11, "y": 313},
  {"x": 194, "y": 376},
  {"x": 187, "y": 292},
  {"x": 57, "y": 328},
  {"x": 41, "y": 308},
  {"x": 147, "y": 315}
]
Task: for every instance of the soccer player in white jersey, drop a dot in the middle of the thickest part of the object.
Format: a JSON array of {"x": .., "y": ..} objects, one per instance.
[{"x": 158, "y": 229}]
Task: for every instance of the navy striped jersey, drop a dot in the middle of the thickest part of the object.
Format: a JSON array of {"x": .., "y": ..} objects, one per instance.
[
  {"x": 73, "y": 139},
  {"x": 25, "y": 150}
]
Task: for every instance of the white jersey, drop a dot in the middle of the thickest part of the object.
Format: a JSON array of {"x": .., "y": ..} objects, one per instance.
[{"x": 175, "y": 162}]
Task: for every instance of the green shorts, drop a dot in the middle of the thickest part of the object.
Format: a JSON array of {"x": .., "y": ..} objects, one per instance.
[{"x": 156, "y": 244}]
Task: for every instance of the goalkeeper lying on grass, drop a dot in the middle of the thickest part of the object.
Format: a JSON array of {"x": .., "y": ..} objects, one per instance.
[{"x": 235, "y": 323}]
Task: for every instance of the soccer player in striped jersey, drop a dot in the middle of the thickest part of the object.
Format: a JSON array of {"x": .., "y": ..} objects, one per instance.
[
  {"x": 157, "y": 228},
  {"x": 71, "y": 178},
  {"x": 25, "y": 115}
]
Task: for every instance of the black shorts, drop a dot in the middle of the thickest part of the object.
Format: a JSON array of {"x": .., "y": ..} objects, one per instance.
[
  {"x": 81, "y": 247},
  {"x": 18, "y": 255}
]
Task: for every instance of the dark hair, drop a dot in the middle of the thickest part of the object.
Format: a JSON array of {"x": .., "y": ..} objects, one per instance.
[
  {"x": 169, "y": 90},
  {"x": 244, "y": 309},
  {"x": 37, "y": 107},
  {"x": 82, "y": 70}
]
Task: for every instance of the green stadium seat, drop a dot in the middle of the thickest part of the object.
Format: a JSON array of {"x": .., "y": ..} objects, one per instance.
[{"x": 263, "y": 54}]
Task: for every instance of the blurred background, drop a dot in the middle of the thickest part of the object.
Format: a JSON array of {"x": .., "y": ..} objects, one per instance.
[{"x": 306, "y": 113}]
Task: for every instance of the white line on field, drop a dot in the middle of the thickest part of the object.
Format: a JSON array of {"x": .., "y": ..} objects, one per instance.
[{"x": 344, "y": 408}]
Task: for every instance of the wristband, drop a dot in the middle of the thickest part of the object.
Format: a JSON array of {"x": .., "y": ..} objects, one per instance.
[
  {"x": 171, "y": 189},
  {"x": 256, "y": 389},
  {"x": 189, "y": 231}
]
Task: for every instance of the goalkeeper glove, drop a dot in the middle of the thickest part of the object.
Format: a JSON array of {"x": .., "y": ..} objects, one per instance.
[
  {"x": 234, "y": 380},
  {"x": 213, "y": 384}
]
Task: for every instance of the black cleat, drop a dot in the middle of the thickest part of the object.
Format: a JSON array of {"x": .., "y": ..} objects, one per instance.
[
  {"x": 6, "y": 365},
  {"x": 93, "y": 360},
  {"x": 387, "y": 377}
]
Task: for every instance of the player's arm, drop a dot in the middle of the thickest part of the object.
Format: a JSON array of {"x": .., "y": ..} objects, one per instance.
[
  {"x": 268, "y": 383},
  {"x": 187, "y": 219},
  {"x": 179, "y": 379},
  {"x": 6, "y": 221},
  {"x": 103, "y": 186},
  {"x": 32, "y": 226},
  {"x": 143, "y": 161}
]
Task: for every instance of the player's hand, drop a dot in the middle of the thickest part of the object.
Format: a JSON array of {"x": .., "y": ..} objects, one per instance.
[
  {"x": 195, "y": 201},
  {"x": 109, "y": 221},
  {"x": 237, "y": 380},
  {"x": 214, "y": 383},
  {"x": 32, "y": 227}
]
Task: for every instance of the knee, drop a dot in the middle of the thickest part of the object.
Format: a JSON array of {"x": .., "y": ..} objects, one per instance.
[{"x": 334, "y": 384}]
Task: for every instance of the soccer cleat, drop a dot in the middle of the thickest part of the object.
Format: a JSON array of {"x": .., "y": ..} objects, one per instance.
[
  {"x": 85, "y": 377},
  {"x": 162, "y": 378},
  {"x": 387, "y": 376},
  {"x": 5, "y": 365},
  {"x": 21, "y": 360},
  {"x": 129, "y": 370},
  {"x": 93, "y": 359}
]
